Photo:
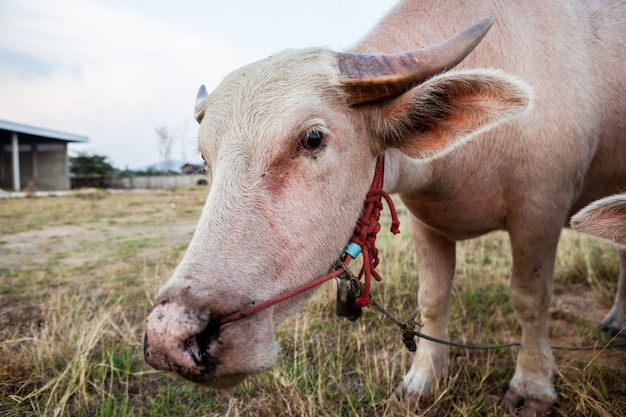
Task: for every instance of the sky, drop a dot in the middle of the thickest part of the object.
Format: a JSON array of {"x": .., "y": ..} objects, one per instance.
[{"x": 115, "y": 70}]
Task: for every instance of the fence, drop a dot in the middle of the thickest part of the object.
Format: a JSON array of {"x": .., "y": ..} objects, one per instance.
[{"x": 141, "y": 182}]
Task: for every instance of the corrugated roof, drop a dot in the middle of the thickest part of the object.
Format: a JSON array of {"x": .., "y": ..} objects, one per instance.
[{"x": 41, "y": 132}]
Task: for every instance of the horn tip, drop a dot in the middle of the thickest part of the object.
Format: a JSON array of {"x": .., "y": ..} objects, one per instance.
[
  {"x": 200, "y": 99},
  {"x": 202, "y": 91},
  {"x": 488, "y": 20}
]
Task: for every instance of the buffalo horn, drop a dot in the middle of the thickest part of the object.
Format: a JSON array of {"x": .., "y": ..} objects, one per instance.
[{"x": 368, "y": 78}]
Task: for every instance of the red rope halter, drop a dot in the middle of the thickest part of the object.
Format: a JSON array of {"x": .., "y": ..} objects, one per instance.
[
  {"x": 367, "y": 228},
  {"x": 363, "y": 240}
]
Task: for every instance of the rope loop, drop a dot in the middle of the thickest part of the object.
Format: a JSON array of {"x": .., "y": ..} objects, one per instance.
[{"x": 367, "y": 229}]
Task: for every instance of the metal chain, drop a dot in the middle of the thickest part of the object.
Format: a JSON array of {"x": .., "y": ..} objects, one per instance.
[{"x": 409, "y": 333}]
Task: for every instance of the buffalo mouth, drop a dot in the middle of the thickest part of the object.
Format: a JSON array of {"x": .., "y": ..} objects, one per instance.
[
  {"x": 197, "y": 347},
  {"x": 222, "y": 382},
  {"x": 193, "y": 358},
  {"x": 205, "y": 347}
]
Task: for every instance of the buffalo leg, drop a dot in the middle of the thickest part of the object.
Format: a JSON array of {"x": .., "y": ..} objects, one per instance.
[{"x": 436, "y": 263}]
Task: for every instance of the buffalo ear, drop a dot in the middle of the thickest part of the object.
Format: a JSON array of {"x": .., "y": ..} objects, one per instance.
[
  {"x": 604, "y": 218},
  {"x": 446, "y": 110}
]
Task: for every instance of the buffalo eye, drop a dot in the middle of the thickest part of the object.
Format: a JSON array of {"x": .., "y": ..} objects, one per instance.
[{"x": 314, "y": 139}]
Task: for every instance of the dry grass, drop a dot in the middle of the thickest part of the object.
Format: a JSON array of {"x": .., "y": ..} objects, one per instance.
[{"x": 79, "y": 276}]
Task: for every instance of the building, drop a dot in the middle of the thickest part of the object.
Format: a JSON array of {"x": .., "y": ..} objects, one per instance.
[{"x": 33, "y": 155}]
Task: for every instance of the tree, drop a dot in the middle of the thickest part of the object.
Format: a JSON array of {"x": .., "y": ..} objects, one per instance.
[
  {"x": 166, "y": 141},
  {"x": 85, "y": 165},
  {"x": 169, "y": 137}
]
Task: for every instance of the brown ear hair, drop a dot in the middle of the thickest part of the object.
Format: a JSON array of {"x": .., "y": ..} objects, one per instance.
[
  {"x": 446, "y": 110},
  {"x": 605, "y": 218}
]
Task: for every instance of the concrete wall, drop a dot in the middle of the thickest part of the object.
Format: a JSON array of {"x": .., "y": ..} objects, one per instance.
[
  {"x": 161, "y": 181},
  {"x": 45, "y": 165}
]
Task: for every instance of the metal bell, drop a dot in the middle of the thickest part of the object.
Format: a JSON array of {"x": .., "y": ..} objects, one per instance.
[{"x": 346, "y": 299}]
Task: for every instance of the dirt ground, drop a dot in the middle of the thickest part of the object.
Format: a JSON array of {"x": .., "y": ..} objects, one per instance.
[
  {"x": 41, "y": 246},
  {"x": 97, "y": 236}
]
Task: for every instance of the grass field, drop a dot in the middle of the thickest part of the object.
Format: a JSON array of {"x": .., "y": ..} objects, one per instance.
[{"x": 79, "y": 275}]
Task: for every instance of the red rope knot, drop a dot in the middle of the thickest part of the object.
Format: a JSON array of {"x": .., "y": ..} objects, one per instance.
[{"x": 367, "y": 229}]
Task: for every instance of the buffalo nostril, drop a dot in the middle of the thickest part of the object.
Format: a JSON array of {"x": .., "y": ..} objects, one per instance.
[
  {"x": 197, "y": 347},
  {"x": 146, "y": 346},
  {"x": 192, "y": 348}
]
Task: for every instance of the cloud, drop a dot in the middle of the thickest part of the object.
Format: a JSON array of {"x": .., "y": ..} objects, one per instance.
[
  {"x": 119, "y": 54},
  {"x": 113, "y": 70},
  {"x": 24, "y": 65},
  {"x": 121, "y": 73}
]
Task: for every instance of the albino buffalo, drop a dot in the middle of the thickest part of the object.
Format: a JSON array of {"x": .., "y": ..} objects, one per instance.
[{"x": 291, "y": 143}]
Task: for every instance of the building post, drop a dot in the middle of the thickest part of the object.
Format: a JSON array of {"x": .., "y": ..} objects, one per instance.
[
  {"x": 35, "y": 162},
  {"x": 15, "y": 148}
]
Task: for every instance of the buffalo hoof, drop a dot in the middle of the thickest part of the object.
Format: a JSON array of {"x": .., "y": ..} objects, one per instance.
[
  {"x": 610, "y": 330},
  {"x": 412, "y": 400},
  {"x": 526, "y": 407},
  {"x": 398, "y": 393}
]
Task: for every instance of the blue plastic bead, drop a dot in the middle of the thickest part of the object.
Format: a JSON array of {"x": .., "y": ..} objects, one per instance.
[{"x": 353, "y": 249}]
